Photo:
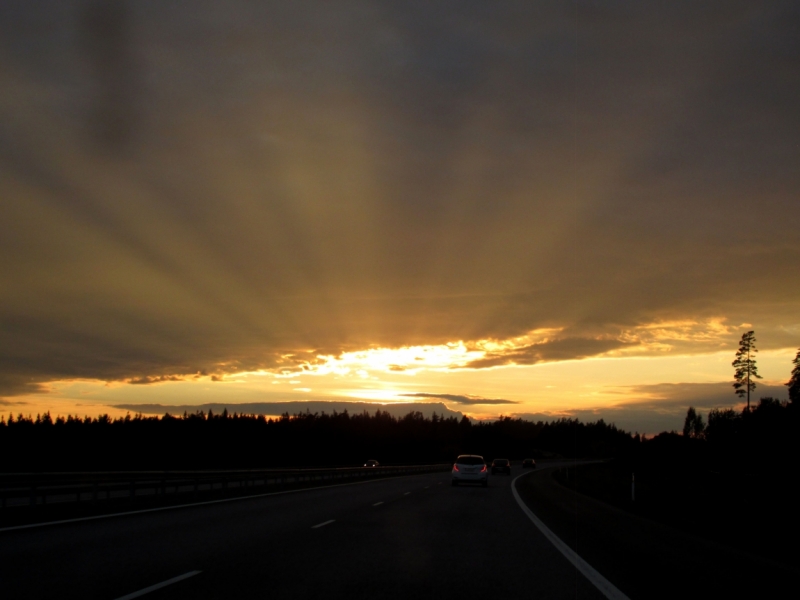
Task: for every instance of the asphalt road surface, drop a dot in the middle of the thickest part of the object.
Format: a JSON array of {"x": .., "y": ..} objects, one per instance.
[{"x": 407, "y": 537}]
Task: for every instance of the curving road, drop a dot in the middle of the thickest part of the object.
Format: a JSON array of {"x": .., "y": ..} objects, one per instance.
[{"x": 408, "y": 537}]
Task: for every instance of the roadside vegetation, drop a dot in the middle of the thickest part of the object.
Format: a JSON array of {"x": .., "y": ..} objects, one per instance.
[{"x": 729, "y": 478}]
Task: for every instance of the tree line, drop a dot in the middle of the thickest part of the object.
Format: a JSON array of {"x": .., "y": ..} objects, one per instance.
[
  {"x": 217, "y": 441},
  {"x": 761, "y": 436}
]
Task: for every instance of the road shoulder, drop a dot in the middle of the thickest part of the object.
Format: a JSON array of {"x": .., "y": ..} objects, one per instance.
[{"x": 642, "y": 558}]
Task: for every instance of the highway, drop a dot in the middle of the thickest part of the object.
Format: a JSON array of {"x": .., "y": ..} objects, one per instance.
[{"x": 405, "y": 537}]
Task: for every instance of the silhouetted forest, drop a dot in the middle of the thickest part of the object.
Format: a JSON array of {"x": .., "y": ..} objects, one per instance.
[
  {"x": 764, "y": 437},
  {"x": 728, "y": 479},
  {"x": 740, "y": 455},
  {"x": 219, "y": 441}
]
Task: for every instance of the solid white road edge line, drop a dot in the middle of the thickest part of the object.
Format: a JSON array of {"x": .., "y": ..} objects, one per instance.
[
  {"x": 158, "y": 586},
  {"x": 147, "y": 510},
  {"x": 318, "y": 525},
  {"x": 601, "y": 583}
]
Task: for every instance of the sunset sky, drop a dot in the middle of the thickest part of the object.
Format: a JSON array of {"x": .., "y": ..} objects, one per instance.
[{"x": 534, "y": 208}]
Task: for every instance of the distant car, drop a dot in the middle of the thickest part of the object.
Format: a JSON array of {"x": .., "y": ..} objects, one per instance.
[
  {"x": 501, "y": 465},
  {"x": 470, "y": 468},
  {"x": 372, "y": 463},
  {"x": 528, "y": 463}
]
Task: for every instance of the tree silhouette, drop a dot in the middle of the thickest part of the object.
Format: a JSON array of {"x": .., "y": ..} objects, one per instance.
[
  {"x": 745, "y": 365},
  {"x": 794, "y": 381},
  {"x": 693, "y": 425}
]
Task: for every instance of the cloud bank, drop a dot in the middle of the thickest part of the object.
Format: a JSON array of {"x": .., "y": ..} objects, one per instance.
[
  {"x": 208, "y": 188},
  {"x": 461, "y": 399}
]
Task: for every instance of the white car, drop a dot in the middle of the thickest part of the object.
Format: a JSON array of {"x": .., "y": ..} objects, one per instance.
[{"x": 470, "y": 468}]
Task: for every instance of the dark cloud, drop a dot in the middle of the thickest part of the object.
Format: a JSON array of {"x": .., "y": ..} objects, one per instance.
[
  {"x": 291, "y": 176},
  {"x": 679, "y": 396},
  {"x": 562, "y": 349},
  {"x": 146, "y": 380},
  {"x": 398, "y": 409},
  {"x": 461, "y": 398},
  {"x": 4, "y": 402},
  {"x": 16, "y": 384}
]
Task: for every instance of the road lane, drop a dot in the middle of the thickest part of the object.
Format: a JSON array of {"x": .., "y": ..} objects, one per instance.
[{"x": 426, "y": 539}]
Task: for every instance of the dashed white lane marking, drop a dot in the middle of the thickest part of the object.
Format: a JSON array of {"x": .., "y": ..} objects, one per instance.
[
  {"x": 318, "y": 525},
  {"x": 158, "y": 586},
  {"x": 407, "y": 494},
  {"x": 601, "y": 583},
  {"x": 377, "y": 504}
]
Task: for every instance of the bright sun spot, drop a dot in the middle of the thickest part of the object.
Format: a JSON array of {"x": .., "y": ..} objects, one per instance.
[{"x": 408, "y": 360}]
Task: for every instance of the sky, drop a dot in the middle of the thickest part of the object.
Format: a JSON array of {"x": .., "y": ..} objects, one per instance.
[{"x": 535, "y": 208}]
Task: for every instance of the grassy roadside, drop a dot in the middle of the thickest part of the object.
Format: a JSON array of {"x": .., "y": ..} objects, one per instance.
[{"x": 752, "y": 512}]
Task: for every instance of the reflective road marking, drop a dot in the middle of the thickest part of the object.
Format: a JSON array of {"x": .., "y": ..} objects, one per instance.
[
  {"x": 601, "y": 583},
  {"x": 158, "y": 586},
  {"x": 323, "y": 524}
]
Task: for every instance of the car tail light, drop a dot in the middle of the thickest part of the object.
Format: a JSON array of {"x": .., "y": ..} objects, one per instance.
[
  {"x": 455, "y": 468},
  {"x": 483, "y": 470}
]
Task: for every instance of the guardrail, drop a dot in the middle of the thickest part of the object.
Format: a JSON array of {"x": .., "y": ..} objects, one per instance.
[{"x": 38, "y": 489}]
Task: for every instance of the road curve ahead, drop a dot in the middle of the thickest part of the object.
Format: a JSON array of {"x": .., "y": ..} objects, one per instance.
[{"x": 409, "y": 537}]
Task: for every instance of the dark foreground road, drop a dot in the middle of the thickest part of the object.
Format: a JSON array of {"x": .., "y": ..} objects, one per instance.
[{"x": 412, "y": 537}]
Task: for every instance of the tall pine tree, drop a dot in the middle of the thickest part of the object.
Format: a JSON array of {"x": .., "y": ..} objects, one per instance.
[{"x": 745, "y": 365}]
